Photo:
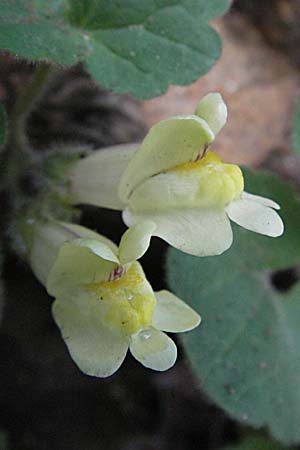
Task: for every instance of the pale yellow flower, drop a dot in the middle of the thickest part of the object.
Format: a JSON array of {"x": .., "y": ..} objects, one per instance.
[
  {"x": 173, "y": 180},
  {"x": 104, "y": 304}
]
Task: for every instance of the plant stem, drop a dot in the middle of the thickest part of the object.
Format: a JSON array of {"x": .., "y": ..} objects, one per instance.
[{"x": 17, "y": 140}]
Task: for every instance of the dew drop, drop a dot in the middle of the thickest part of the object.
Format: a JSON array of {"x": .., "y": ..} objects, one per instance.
[
  {"x": 145, "y": 334},
  {"x": 132, "y": 53}
]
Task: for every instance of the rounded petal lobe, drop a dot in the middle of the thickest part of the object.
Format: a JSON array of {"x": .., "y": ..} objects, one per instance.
[
  {"x": 48, "y": 239},
  {"x": 95, "y": 349},
  {"x": 169, "y": 143},
  {"x": 262, "y": 200},
  {"x": 199, "y": 232},
  {"x": 172, "y": 314},
  {"x": 76, "y": 265},
  {"x": 135, "y": 241},
  {"x": 256, "y": 217},
  {"x": 98, "y": 248},
  {"x": 154, "y": 349},
  {"x": 94, "y": 180},
  {"x": 213, "y": 110},
  {"x": 80, "y": 232}
]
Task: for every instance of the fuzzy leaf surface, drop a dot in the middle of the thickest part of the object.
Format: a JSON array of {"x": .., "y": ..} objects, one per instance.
[
  {"x": 128, "y": 46},
  {"x": 37, "y": 29}
]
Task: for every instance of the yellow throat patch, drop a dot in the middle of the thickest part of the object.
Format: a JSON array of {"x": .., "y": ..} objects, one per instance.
[
  {"x": 204, "y": 183},
  {"x": 218, "y": 183},
  {"x": 127, "y": 303}
]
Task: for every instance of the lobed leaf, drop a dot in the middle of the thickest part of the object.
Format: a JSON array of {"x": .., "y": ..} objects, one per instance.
[
  {"x": 37, "y": 30},
  {"x": 128, "y": 46}
]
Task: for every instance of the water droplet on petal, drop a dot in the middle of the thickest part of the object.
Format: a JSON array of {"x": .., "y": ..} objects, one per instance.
[{"x": 145, "y": 334}]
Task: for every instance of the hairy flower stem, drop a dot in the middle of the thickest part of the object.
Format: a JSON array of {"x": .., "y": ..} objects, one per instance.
[
  {"x": 25, "y": 104},
  {"x": 15, "y": 155}
]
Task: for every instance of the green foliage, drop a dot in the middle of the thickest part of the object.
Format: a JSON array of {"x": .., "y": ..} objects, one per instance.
[
  {"x": 255, "y": 442},
  {"x": 296, "y": 128},
  {"x": 2, "y": 125},
  {"x": 246, "y": 352},
  {"x": 129, "y": 46},
  {"x": 36, "y": 29}
]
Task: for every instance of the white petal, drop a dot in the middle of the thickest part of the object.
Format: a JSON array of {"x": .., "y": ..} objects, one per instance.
[
  {"x": 262, "y": 200},
  {"x": 213, "y": 110},
  {"x": 255, "y": 217},
  {"x": 167, "y": 190},
  {"x": 79, "y": 231},
  {"x": 98, "y": 248},
  {"x": 169, "y": 143},
  {"x": 76, "y": 265},
  {"x": 199, "y": 232},
  {"x": 135, "y": 241},
  {"x": 172, "y": 314},
  {"x": 94, "y": 180},
  {"x": 48, "y": 239},
  {"x": 154, "y": 349},
  {"x": 96, "y": 350}
]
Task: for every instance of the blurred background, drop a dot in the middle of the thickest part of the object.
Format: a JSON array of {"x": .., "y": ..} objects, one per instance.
[{"x": 45, "y": 401}]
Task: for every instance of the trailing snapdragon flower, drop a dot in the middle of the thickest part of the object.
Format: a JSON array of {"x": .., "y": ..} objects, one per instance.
[
  {"x": 104, "y": 303},
  {"x": 173, "y": 180}
]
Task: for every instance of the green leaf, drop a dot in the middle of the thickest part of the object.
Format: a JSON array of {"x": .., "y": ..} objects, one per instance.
[
  {"x": 246, "y": 353},
  {"x": 36, "y": 29},
  {"x": 155, "y": 47},
  {"x": 296, "y": 128},
  {"x": 129, "y": 46},
  {"x": 2, "y": 125},
  {"x": 255, "y": 442}
]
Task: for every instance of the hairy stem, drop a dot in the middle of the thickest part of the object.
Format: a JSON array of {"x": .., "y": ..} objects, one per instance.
[{"x": 24, "y": 105}]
